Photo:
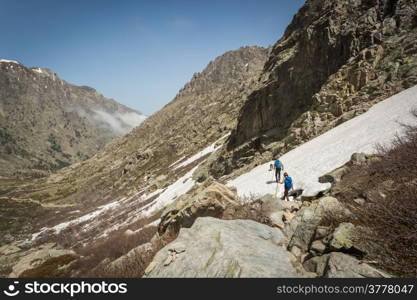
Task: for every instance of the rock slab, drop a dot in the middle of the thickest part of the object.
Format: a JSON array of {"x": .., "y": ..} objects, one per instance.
[{"x": 220, "y": 248}]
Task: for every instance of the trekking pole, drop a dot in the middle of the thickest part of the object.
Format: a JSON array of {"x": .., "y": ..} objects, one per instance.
[
  {"x": 276, "y": 191},
  {"x": 272, "y": 178}
]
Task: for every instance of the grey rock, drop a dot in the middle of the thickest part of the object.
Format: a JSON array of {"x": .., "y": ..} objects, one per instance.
[
  {"x": 343, "y": 237},
  {"x": 318, "y": 246},
  {"x": 321, "y": 232},
  {"x": 331, "y": 206},
  {"x": 346, "y": 237},
  {"x": 216, "y": 200},
  {"x": 302, "y": 229},
  {"x": 317, "y": 264},
  {"x": 296, "y": 251},
  {"x": 277, "y": 219},
  {"x": 340, "y": 265},
  {"x": 219, "y": 248},
  {"x": 359, "y": 201}
]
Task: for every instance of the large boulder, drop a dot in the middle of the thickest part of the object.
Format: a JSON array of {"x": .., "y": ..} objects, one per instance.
[
  {"x": 224, "y": 248},
  {"x": 317, "y": 264},
  {"x": 343, "y": 238},
  {"x": 213, "y": 199},
  {"x": 330, "y": 206},
  {"x": 302, "y": 228},
  {"x": 340, "y": 265}
]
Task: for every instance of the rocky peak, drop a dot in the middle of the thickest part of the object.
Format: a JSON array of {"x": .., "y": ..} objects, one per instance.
[
  {"x": 233, "y": 67},
  {"x": 334, "y": 61}
]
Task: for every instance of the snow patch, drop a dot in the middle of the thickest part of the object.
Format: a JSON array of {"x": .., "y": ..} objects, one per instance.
[
  {"x": 58, "y": 228},
  {"x": 178, "y": 188},
  {"x": 306, "y": 163},
  {"x": 38, "y": 70},
  {"x": 202, "y": 153},
  {"x": 150, "y": 195},
  {"x": 9, "y": 61},
  {"x": 177, "y": 161}
]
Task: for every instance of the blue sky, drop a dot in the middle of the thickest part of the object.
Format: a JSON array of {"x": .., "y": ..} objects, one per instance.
[{"x": 137, "y": 52}]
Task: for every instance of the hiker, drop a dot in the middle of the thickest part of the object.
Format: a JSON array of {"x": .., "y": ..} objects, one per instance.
[
  {"x": 278, "y": 166},
  {"x": 288, "y": 185}
]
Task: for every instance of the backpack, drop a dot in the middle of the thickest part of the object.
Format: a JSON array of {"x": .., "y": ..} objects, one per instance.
[
  {"x": 278, "y": 164},
  {"x": 288, "y": 183}
]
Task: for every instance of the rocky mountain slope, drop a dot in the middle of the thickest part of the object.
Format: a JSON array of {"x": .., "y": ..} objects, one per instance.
[
  {"x": 335, "y": 60},
  {"x": 47, "y": 123},
  {"x": 359, "y": 220},
  {"x": 148, "y": 159}
]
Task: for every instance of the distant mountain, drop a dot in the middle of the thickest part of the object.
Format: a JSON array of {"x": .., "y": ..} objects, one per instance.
[{"x": 47, "y": 123}]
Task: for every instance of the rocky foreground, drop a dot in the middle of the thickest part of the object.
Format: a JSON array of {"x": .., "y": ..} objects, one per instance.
[
  {"x": 296, "y": 245},
  {"x": 209, "y": 232}
]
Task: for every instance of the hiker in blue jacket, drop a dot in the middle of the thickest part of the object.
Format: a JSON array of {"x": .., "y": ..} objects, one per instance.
[
  {"x": 288, "y": 185},
  {"x": 278, "y": 166}
]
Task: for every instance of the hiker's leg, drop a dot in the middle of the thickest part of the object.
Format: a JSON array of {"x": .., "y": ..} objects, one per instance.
[
  {"x": 278, "y": 174},
  {"x": 286, "y": 195}
]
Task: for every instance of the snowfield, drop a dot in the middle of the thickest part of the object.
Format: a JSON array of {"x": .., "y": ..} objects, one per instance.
[
  {"x": 167, "y": 196},
  {"x": 205, "y": 151},
  {"x": 306, "y": 163}
]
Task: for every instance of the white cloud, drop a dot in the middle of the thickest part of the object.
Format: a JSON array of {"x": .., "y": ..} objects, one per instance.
[{"x": 120, "y": 123}]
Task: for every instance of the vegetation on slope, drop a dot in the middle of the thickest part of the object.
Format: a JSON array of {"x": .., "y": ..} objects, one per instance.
[{"x": 388, "y": 186}]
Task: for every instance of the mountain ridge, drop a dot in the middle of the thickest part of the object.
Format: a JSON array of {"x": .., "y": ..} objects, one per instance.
[{"x": 47, "y": 123}]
